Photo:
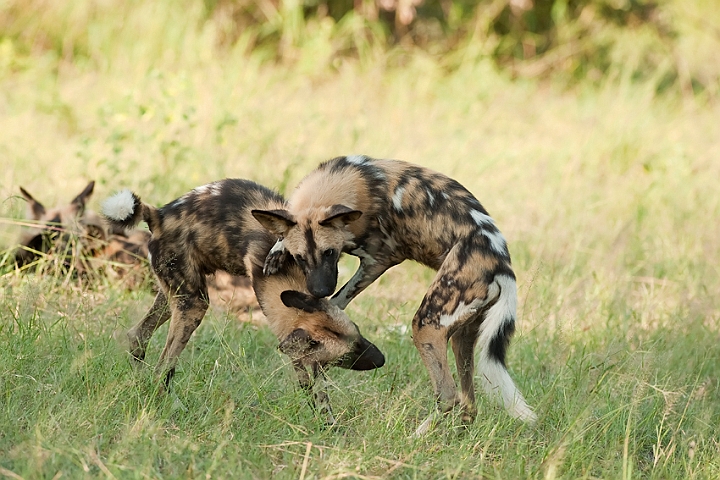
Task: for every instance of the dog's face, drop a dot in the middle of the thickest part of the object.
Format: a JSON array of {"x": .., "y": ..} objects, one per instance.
[
  {"x": 54, "y": 228},
  {"x": 315, "y": 238},
  {"x": 325, "y": 336}
]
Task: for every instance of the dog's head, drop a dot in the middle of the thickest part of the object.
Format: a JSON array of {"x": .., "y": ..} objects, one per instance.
[
  {"x": 54, "y": 229},
  {"x": 325, "y": 336},
  {"x": 315, "y": 238}
]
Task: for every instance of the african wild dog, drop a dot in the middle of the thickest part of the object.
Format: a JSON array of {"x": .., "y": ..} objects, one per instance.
[
  {"x": 210, "y": 229},
  {"x": 385, "y": 212},
  {"x": 52, "y": 231},
  {"x": 75, "y": 239}
]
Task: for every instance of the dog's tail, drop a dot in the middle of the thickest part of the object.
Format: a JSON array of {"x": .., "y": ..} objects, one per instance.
[
  {"x": 126, "y": 210},
  {"x": 495, "y": 332}
]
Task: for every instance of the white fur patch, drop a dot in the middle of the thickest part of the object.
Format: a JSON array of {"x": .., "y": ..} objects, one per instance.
[
  {"x": 210, "y": 188},
  {"x": 120, "y": 206},
  {"x": 397, "y": 198},
  {"x": 481, "y": 219},
  {"x": 499, "y": 386},
  {"x": 497, "y": 241},
  {"x": 279, "y": 246},
  {"x": 431, "y": 197},
  {"x": 356, "y": 159},
  {"x": 461, "y": 311}
]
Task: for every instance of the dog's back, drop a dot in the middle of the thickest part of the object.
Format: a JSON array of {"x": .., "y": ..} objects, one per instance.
[
  {"x": 217, "y": 233},
  {"x": 423, "y": 212}
]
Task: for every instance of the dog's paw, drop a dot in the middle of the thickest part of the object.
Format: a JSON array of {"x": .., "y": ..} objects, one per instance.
[{"x": 275, "y": 259}]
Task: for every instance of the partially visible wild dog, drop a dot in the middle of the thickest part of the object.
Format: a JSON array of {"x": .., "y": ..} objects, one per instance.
[
  {"x": 210, "y": 229},
  {"x": 76, "y": 239},
  {"x": 53, "y": 230},
  {"x": 385, "y": 212}
]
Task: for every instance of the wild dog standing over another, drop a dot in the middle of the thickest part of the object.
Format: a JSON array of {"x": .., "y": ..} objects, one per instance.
[
  {"x": 210, "y": 229},
  {"x": 385, "y": 212}
]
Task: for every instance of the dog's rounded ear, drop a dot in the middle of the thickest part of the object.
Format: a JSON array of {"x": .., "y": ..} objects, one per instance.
[
  {"x": 35, "y": 208},
  {"x": 297, "y": 342},
  {"x": 340, "y": 215},
  {"x": 277, "y": 222},
  {"x": 301, "y": 301}
]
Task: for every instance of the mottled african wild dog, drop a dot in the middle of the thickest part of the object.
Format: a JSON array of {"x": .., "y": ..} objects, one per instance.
[
  {"x": 385, "y": 212},
  {"x": 210, "y": 229}
]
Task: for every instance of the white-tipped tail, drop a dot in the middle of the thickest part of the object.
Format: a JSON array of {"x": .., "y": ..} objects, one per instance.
[
  {"x": 120, "y": 206},
  {"x": 497, "y": 326}
]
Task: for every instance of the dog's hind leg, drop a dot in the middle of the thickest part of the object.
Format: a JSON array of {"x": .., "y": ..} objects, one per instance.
[
  {"x": 431, "y": 341},
  {"x": 139, "y": 335},
  {"x": 463, "y": 345},
  {"x": 449, "y": 311},
  {"x": 188, "y": 311}
]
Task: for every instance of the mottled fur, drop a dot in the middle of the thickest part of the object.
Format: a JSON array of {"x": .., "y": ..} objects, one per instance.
[
  {"x": 211, "y": 229},
  {"x": 385, "y": 212}
]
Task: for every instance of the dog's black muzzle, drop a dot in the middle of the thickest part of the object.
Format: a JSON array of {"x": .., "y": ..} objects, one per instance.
[
  {"x": 321, "y": 281},
  {"x": 365, "y": 356}
]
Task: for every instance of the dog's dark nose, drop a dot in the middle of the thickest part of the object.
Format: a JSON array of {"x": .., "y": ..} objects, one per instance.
[
  {"x": 370, "y": 357},
  {"x": 322, "y": 279},
  {"x": 319, "y": 285},
  {"x": 320, "y": 291}
]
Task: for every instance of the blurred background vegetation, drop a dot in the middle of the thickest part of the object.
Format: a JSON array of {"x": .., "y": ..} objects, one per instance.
[{"x": 674, "y": 44}]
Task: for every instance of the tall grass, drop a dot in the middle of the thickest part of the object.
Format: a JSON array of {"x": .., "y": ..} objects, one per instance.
[{"x": 607, "y": 193}]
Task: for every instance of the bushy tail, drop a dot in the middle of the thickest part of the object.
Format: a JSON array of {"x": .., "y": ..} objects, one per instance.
[
  {"x": 126, "y": 210},
  {"x": 495, "y": 332}
]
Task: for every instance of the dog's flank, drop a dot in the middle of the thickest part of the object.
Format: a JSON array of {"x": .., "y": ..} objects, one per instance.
[
  {"x": 210, "y": 229},
  {"x": 385, "y": 212}
]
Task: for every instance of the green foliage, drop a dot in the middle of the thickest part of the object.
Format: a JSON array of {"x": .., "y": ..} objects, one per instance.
[{"x": 671, "y": 43}]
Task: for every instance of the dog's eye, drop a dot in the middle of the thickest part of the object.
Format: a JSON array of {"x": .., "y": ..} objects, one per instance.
[{"x": 329, "y": 253}]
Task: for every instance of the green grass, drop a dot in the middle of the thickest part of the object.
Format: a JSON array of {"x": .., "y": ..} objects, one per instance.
[{"x": 607, "y": 194}]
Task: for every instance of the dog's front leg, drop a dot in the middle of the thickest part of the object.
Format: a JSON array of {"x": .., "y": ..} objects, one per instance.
[
  {"x": 315, "y": 388},
  {"x": 322, "y": 399},
  {"x": 368, "y": 271},
  {"x": 275, "y": 258}
]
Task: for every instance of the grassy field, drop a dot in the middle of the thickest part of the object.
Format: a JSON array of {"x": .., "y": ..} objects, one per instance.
[{"x": 608, "y": 195}]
